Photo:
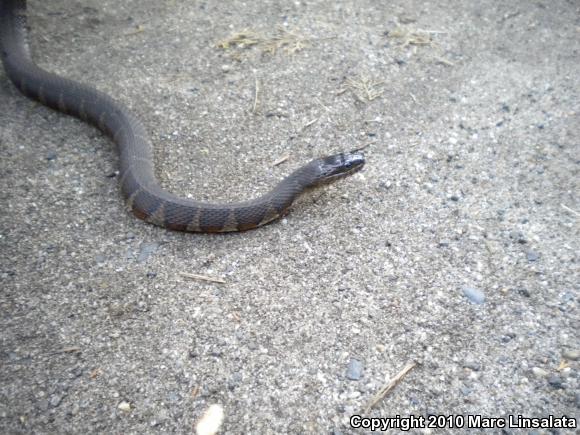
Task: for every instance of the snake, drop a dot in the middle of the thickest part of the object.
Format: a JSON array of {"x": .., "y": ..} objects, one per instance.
[{"x": 144, "y": 195}]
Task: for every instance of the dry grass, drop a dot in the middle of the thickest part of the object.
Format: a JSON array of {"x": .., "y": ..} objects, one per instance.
[
  {"x": 286, "y": 40},
  {"x": 282, "y": 39},
  {"x": 364, "y": 88},
  {"x": 420, "y": 38},
  {"x": 409, "y": 37},
  {"x": 241, "y": 39},
  {"x": 382, "y": 393}
]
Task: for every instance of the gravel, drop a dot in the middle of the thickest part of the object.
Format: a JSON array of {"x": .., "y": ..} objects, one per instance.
[{"x": 471, "y": 114}]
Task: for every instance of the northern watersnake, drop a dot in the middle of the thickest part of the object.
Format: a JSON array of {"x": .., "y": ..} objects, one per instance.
[{"x": 145, "y": 197}]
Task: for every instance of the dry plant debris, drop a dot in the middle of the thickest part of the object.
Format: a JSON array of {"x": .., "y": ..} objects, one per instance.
[
  {"x": 382, "y": 393},
  {"x": 410, "y": 37},
  {"x": 242, "y": 39},
  {"x": 282, "y": 39},
  {"x": 364, "y": 88},
  {"x": 286, "y": 40},
  {"x": 202, "y": 277},
  {"x": 418, "y": 38}
]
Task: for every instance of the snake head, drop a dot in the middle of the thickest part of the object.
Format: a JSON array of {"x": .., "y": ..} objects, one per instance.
[{"x": 338, "y": 165}]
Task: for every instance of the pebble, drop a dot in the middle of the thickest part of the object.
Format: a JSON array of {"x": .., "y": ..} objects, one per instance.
[
  {"x": 524, "y": 292},
  {"x": 475, "y": 296},
  {"x": 473, "y": 365},
  {"x": 518, "y": 236},
  {"x": 354, "y": 370},
  {"x": 55, "y": 400},
  {"x": 124, "y": 406},
  {"x": 539, "y": 372},
  {"x": 146, "y": 250},
  {"x": 211, "y": 421},
  {"x": 161, "y": 416},
  {"x": 555, "y": 381},
  {"x": 51, "y": 155},
  {"x": 77, "y": 372},
  {"x": 173, "y": 397},
  {"x": 235, "y": 381},
  {"x": 572, "y": 354},
  {"x": 506, "y": 338},
  {"x": 532, "y": 256},
  {"x": 385, "y": 185},
  {"x": 414, "y": 401},
  {"x": 75, "y": 409}
]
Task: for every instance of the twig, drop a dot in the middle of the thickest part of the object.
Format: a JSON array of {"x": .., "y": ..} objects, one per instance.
[
  {"x": 366, "y": 145},
  {"x": 444, "y": 61},
  {"x": 256, "y": 94},
  {"x": 389, "y": 386},
  {"x": 309, "y": 123},
  {"x": 509, "y": 16},
  {"x": 138, "y": 29},
  {"x": 72, "y": 349},
  {"x": 202, "y": 277},
  {"x": 433, "y": 32},
  {"x": 195, "y": 391},
  {"x": 322, "y": 105},
  {"x": 570, "y": 210},
  {"x": 281, "y": 160}
]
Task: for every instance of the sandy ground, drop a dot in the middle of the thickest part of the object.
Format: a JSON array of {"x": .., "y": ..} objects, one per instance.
[{"x": 456, "y": 247}]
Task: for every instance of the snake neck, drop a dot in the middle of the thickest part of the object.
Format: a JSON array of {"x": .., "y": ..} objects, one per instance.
[{"x": 150, "y": 202}]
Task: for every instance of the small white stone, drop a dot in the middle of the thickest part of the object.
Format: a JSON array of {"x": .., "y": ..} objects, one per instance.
[
  {"x": 211, "y": 420},
  {"x": 539, "y": 373},
  {"x": 124, "y": 406}
]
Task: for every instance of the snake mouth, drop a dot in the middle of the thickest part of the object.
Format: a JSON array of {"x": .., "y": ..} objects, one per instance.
[
  {"x": 354, "y": 160},
  {"x": 339, "y": 166},
  {"x": 348, "y": 163}
]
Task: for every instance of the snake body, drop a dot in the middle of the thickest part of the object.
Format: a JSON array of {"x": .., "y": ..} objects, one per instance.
[{"x": 145, "y": 197}]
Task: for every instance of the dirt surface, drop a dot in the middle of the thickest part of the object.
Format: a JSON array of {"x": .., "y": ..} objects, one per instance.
[{"x": 456, "y": 247}]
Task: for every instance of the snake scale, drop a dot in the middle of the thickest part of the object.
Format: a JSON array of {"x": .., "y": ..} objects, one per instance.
[{"x": 145, "y": 197}]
